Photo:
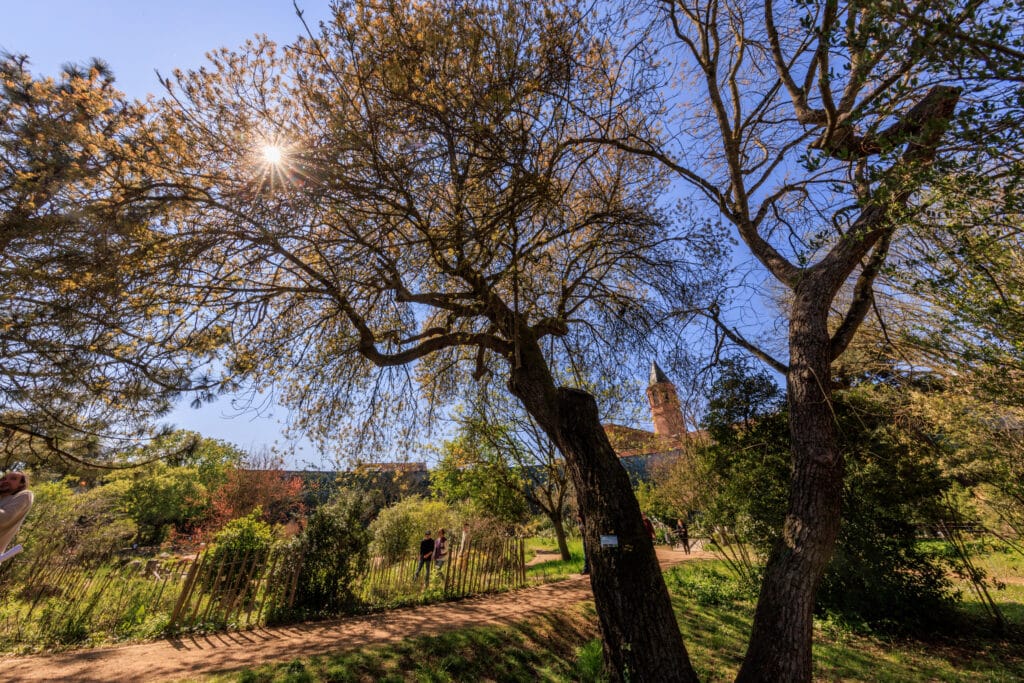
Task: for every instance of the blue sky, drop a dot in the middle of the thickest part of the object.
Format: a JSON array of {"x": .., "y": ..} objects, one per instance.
[{"x": 137, "y": 38}]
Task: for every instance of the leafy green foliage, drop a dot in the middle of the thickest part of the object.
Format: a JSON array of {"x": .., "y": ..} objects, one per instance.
[
  {"x": 504, "y": 462},
  {"x": 397, "y": 530},
  {"x": 893, "y": 486},
  {"x": 474, "y": 470},
  {"x": 158, "y": 497},
  {"x": 88, "y": 351},
  {"x": 213, "y": 459},
  {"x": 245, "y": 534},
  {"x": 84, "y": 524},
  {"x": 878, "y": 574},
  {"x": 334, "y": 548},
  {"x": 748, "y": 460}
]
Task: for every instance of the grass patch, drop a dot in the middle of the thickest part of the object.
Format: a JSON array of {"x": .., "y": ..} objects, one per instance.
[
  {"x": 590, "y": 662},
  {"x": 716, "y": 624},
  {"x": 708, "y": 583},
  {"x": 546, "y": 650},
  {"x": 551, "y": 567},
  {"x": 714, "y": 613}
]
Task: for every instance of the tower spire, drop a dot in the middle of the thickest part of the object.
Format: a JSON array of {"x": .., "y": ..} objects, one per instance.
[
  {"x": 657, "y": 374},
  {"x": 666, "y": 410}
]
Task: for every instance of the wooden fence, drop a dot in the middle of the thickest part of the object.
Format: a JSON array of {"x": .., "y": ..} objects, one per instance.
[
  {"x": 233, "y": 592},
  {"x": 483, "y": 566},
  {"x": 54, "y": 599},
  {"x": 57, "y": 598}
]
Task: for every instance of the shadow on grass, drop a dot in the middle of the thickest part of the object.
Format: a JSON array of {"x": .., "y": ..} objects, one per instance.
[
  {"x": 544, "y": 650},
  {"x": 562, "y": 647}
]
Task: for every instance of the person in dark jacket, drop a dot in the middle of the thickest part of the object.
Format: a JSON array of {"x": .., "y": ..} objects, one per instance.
[
  {"x": 683, "y": 534},
  {"x": 426, "y": 555}
]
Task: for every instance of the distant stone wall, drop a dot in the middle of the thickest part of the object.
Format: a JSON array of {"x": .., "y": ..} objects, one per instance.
[{"x": 641, "y": 467}]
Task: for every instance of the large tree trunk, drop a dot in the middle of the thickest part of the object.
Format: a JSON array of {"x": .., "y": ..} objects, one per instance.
[
  {"x": 641, "y": 636},
  {"x": 780, "y": 642}
]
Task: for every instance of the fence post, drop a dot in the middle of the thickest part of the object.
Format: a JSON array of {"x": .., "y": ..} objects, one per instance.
[
  {"x": 239, "y": 587},
  {"x": 267, "y": 590},
  {"x": 215, "y": 590},
  {"x": 186, "y": 589},
  {"x": 452, "y": 561},
  {"x": 295, "y": 579},
  {"x": 466, "y": 572},
  {"x": 168, "y": 573}
]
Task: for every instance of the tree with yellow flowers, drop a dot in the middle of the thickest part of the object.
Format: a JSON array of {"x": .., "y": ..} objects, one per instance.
[
  {"x": 89, "y": 352},
  {"x": 394, "y": 208}
]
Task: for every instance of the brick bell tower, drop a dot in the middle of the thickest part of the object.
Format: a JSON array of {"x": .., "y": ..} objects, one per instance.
[{"x": 665, "y": 407}]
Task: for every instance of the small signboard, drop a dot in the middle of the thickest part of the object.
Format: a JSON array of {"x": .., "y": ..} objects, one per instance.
[
  {"x": 609, "y": 541},
  {"x": 11, "y": 553}
]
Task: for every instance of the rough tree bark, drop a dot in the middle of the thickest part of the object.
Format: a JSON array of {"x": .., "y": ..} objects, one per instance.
[
  {"x": 642, "y": 641},
  {"x": 782, "y": 631},
  {"x": 780, "y": 647}
]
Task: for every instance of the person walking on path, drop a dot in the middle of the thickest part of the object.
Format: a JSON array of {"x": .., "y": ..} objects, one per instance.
[
  {"x": 683, "y": 533},
  {"x": 426, "y": 555},
  {"x": 15, "y": 502}
]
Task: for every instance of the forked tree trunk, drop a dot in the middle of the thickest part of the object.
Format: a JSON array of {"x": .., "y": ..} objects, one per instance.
[
  {"x": 641, "y": 636},
  {"x": 781, "y": 639}
]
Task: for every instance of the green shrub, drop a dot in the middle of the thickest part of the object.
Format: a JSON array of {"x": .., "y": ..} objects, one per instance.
[
  {"x": 398, "y": 529},
  {"x": 86, "y": 526},
  {"x": 878, "y": 574},
  {"x": 241, "y": 544},
  {"x": 159, "y": 497},
  {"x": 709, "y": 587},
  {"x": 245, "y": 534},
  {"x": 334, "y": 549}
]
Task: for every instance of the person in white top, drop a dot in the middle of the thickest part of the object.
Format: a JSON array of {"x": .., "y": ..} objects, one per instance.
[{"x": 15, "y": 501}]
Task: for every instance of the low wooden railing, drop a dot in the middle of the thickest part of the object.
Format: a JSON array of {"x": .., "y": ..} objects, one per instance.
[{"x": 51, "y": 599}]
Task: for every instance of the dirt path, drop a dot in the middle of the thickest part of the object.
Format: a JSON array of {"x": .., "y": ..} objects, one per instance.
[{"x": 195, "y": 656}]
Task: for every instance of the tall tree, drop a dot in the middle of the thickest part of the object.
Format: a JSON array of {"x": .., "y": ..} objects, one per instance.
[
  {"x": 392, "y": 203},
  {"x": 86, "y": 358},
  {"x": 816, "y": 130},
  {"x": 893, "y": 484}
]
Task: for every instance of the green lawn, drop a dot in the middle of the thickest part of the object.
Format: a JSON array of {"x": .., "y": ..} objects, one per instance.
[
  {"x": 714, "y": 615},
  {"x": 543, "y": 651},
  {"x": 552, "y": 568}
]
